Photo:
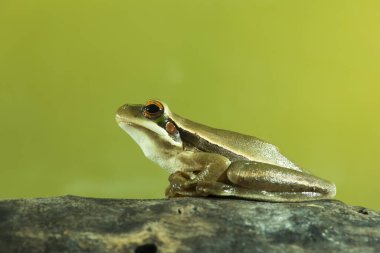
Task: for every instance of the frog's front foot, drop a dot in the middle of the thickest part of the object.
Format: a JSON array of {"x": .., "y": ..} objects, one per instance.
[{"x": 181, "y": 185}]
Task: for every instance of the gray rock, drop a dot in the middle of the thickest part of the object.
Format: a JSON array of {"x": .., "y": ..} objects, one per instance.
[{"x": 76, "y": 224}]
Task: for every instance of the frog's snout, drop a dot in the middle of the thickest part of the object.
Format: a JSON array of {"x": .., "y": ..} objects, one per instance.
[
  {"x": 128, "y": 113},
  {"x": 120, "y": 113}
]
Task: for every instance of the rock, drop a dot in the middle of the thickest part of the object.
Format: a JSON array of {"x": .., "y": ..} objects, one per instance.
[{"x": 77, "y": 224}]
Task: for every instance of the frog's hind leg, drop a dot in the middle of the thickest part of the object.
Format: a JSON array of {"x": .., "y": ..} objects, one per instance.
[
  {"x": 269, "y": 182},
  {"x": 220, "y": 189},
  {"x": 261, "y": 181}
]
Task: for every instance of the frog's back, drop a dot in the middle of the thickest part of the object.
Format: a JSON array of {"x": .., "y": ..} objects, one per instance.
[{"x": 231, "y": 144}]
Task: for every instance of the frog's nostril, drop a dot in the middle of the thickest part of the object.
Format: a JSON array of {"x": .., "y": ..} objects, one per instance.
[{"x": 122, "y": 108}]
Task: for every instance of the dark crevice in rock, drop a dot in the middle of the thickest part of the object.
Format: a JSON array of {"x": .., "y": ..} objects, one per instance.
[{"x": 146, "y": 248}]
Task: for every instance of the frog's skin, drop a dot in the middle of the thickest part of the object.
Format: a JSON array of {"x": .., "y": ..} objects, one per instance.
[{"x": 206, "y": 161}]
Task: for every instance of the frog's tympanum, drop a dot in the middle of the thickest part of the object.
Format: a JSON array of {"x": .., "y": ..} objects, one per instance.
[{"x": 205, "y": 161}]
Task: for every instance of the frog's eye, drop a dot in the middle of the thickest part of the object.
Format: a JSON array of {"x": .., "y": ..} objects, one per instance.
[{"x": 153, "y": 109}]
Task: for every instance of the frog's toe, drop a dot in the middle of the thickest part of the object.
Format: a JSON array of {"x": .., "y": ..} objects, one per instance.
[
  {"x": 202, "y": 190},
  {"x": 214, "y": 188}
]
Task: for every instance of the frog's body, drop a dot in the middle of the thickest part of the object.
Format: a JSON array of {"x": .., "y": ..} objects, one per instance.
[
  {"x": 207, "y": 161},
  {"x": 233, "y": 145}
]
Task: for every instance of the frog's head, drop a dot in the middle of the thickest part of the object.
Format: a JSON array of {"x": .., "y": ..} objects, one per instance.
[{"x": 149, "y": 125}]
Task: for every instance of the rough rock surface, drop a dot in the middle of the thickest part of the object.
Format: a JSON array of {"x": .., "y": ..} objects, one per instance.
[{"x": 77, "y": 224}]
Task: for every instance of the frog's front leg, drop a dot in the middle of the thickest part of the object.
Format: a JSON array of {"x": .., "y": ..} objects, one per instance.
[
  {"x": 262, "y": 181},
  {"x": 197, "y": 167}
]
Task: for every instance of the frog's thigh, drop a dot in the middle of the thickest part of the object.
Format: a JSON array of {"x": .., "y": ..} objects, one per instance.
[{"x": 274, "y": 183}]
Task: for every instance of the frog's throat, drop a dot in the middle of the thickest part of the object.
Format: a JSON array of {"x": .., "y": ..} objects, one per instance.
[{"x": 158, "y": 148}]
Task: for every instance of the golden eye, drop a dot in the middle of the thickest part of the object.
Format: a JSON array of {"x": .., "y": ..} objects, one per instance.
[{"x": 153, "y": 109}]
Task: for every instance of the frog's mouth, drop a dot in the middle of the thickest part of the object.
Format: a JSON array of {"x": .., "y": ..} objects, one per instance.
[
  {"x": 137, "y": 131},
  {"x": 121, "y": 121}
]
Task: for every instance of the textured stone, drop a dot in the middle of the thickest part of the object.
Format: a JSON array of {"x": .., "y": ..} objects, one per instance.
[{"x": 76, "y": 224}]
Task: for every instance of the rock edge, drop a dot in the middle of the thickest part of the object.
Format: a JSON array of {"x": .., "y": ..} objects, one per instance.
[{"x": 79, "y": 224}]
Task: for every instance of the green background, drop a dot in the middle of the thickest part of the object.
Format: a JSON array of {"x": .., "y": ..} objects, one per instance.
[{"x": 303, "y": 75}]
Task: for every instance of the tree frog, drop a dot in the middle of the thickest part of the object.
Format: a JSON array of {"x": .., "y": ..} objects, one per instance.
[{"x": 205, "y": 161}]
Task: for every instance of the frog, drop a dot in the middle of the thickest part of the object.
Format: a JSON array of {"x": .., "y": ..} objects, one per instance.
[{"x": 204, "y": 161}]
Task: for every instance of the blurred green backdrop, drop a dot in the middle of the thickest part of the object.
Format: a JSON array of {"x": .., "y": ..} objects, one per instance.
[{"x": 303, "y": 75}]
